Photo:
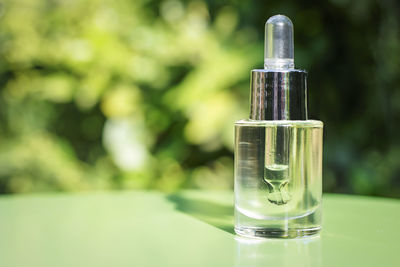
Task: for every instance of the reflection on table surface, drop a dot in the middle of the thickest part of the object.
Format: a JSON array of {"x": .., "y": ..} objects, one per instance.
[{"x": 278, "y": 252}]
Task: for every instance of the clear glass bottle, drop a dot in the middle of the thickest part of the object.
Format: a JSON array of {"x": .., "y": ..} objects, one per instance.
[{"x": 278, "y": 151}]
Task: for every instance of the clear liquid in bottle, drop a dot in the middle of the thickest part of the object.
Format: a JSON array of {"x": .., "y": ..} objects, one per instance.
[{"x": 278, "y": 178}]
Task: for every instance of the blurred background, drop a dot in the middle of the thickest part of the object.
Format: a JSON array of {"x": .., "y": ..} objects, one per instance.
[{"x": 143, "y": 94}]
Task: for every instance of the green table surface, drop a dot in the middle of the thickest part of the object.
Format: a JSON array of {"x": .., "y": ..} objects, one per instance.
[{"x": 191, "y": 228}]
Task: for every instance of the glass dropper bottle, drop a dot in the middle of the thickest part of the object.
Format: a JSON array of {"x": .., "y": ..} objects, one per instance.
[{"x": 278, "y": 150}]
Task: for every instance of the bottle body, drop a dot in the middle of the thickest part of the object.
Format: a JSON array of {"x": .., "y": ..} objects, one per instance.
[{"x": 278, "y": 177}]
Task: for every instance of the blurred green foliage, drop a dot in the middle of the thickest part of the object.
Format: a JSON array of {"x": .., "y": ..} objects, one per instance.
[{"x": 103, "y": 94}]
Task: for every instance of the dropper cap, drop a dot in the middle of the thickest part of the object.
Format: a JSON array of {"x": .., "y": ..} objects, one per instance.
[
  {"x": 279, "y": 91},
  {"x": 278, "y": 51}
]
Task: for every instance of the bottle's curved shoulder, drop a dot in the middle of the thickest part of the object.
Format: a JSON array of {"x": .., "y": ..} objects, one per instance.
[
  {"x": 279, "y": 70},
  {"x": 293, "y": 123}
]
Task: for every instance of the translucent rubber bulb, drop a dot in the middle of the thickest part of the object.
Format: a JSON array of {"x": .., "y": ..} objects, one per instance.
[{"x": 278, "y": 51}]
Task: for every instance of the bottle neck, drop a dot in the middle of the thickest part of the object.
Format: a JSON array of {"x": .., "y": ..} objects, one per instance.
[{"x": 278, "y": 95}]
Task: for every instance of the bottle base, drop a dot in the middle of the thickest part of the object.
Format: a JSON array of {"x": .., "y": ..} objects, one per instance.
[{"x": 276, "y": 232}]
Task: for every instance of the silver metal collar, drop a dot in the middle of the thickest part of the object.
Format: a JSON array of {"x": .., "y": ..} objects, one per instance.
[{"x": 278, "y": 95}]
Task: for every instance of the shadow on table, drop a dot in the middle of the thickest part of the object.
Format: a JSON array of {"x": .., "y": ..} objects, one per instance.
[{"x": 218, "y": 215}]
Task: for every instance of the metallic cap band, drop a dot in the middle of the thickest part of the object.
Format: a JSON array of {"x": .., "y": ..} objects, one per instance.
[{"x": 278, "y": 95}]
